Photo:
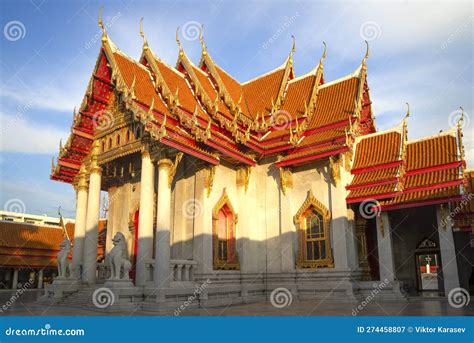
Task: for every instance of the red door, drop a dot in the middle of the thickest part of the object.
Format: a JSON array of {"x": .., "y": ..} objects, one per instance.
[{"x": 135, "y": 245}]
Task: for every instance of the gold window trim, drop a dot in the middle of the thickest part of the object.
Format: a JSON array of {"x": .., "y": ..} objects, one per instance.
[
  {"x": 298, "y": 219},
  {"x": 233, "y": 262}
]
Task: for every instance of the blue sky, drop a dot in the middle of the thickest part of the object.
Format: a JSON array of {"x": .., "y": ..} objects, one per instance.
[{"x": 421, "y": 53}]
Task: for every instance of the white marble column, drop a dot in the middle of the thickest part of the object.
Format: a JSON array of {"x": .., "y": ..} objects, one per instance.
[
  {"x": 447, "y": 249},
  {"x": 92, "y": 221},
  {"x": 202, "y": 235},
  {"x": 163, "y": 221},
  {"x": 40, "y": 279},
  {"x": 15, "y": 278},
  {"x": 80, "y": 224},
  {"x": 145, "y": 219},
  {"x": 385, "y": 248},
  {"x": 343, "y": 236}
]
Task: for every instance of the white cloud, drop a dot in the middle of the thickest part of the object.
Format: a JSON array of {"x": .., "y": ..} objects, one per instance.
[{"x": 18, "y": 134}]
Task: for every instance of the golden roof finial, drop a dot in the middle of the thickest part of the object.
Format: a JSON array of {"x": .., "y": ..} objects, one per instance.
[
  {"x": 101, "y": 24},
  {"x": 408, "y": 110},
  {"x": 323, "y": 56},
  {"x": 364, "y": 60},
  {"x": 461, "y": 119},
  {"x": 293, "y": 49},
  {"x": 201, "y": 39},
  {"x": 53, "y": 167},
  {"x": 181, "y": 51},
  {"x": 142, "y": 34}
]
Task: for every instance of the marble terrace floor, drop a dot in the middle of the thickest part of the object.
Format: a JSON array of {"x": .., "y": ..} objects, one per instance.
[{"x": 26, "y": 305}]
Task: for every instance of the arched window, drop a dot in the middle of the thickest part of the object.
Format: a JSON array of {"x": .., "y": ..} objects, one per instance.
[
  {"x": 118, "y": 140},
  {"x": 127, "y": 136},
  {"x": 110, "y": 143},
  {"x": 103, "y": 146},
  {"x": 224, "y": 220},
  {"x": 314, "y": 246}
]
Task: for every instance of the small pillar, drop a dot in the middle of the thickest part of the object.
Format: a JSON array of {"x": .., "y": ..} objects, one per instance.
[
  {"x": 40, "y": 279},
  {"x": 80, "y": 224},
  {"x": 92, "y": 222},
  {"x": 163, "y": 222},
  {"x": 15, "y": 278},
  {"x": 145, "y": 220},
  {"x": 447, "y": 250},
  {"x": 385, "y": 248}
]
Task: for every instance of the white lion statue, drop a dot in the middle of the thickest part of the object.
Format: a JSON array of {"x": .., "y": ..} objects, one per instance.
[
  {"x": 62, "y": 258},
  {"x": 118, "y": 258}
]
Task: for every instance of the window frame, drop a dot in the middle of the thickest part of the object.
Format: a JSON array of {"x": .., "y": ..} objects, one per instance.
[
  {"x": 232, "y": 261},
  {"x": 300, "y": 220}
]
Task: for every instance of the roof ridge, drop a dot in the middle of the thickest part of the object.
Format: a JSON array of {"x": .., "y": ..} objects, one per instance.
[
  {"x": 283, "y": 66},
  {"x": 397, "y": 128},
  {"x": 301, "y": 77},
  {"x": 451, "y": 131},
  {"x": 225, "y": 72},
  {"x": 168, "y": 65},
  {"x": 342, "y": 78},
  {"x": 131, "y": 59}
]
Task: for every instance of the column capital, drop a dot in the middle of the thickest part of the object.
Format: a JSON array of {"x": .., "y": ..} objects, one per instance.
[
  {"x": 145, "y": 153},
  {"x": 164, "y": 163},
  {"x": 82, "y": 182}
]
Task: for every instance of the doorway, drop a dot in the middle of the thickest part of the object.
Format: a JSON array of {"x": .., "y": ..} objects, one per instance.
[{"x": 427, "y": 261}]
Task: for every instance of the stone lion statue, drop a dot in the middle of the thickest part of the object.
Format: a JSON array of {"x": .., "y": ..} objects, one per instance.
[
  {"x": 118, "y": 258},
  {"x": 63, "y": 262}
]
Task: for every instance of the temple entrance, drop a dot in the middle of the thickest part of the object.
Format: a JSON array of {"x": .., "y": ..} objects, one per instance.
[{"x": 427, "y": 261}]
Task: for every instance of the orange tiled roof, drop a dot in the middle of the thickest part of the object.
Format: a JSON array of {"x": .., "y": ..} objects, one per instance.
[
  {"x": 176, "y": 81},
  {"x": 144, "y": 89},
  {"x": 28, "y": 245},
  {"x": 258, "y": 93},
  {"x": 375, "y": 176},
  {"x": 298, "y": 94},
  {"x": 434, "y": 151},
  {"x": 432, "y": 169},
  {"x": 378, "y": 149},
  {"x": 336, "y": 102}
]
